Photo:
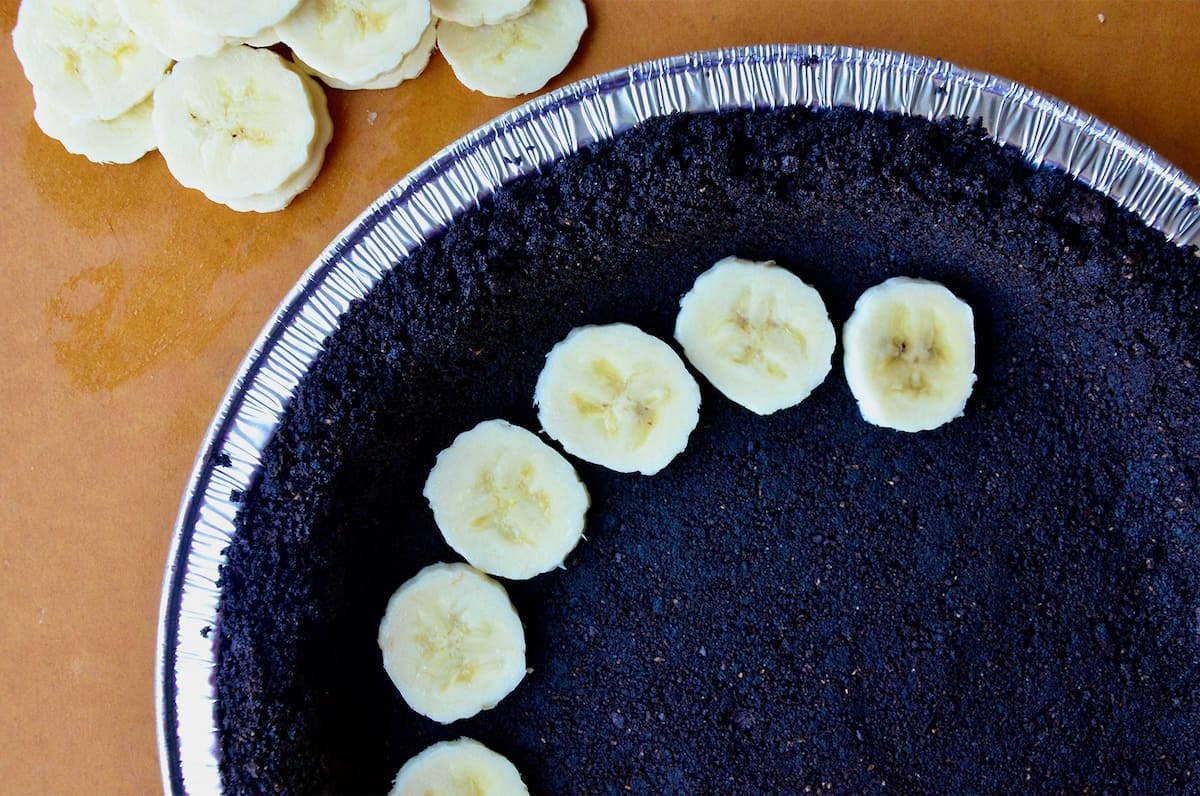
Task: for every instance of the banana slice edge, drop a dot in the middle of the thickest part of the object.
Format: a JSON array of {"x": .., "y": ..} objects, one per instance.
[
  {"x": 909, "y": 354},
  {"x": 507, "y": 502}
]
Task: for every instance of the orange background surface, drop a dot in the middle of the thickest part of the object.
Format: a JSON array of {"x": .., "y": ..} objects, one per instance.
[{"x": 128, "y": 302}]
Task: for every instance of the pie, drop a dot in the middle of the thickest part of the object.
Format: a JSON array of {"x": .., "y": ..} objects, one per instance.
[{"x": 798, "y": 602}]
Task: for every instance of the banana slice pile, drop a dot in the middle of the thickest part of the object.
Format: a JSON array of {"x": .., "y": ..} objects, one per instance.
[
  {"x": 411, "y": 65},
  {"x": 237, "y": 125},
  {"x": 167, "y": 31},
  {"x": 519, "y": 52},
  {"x": 91, "y": 75},
  {"x": 243, "y": 127},
  {"x": 459, "y": 768},
  {"x": 355, "y": 42}
]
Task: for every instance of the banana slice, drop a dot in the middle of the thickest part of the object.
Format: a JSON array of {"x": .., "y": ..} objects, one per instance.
[
  {"x": 234, "y": 124},
  {"x": 452, "y": 642},
  {"x": 303, "y": 179},
  {"x": 153, "y": 21},
  {"x": 82, "y": 58},
  {"x": 910, "y": 354},
  {"x": 459, "y": 768},
  {"x": 516, "y": 57},
  {"x": 757, "y": 332},
  {"x": 120, "y": 140},
  {"x": 411, "y": 66},
  {"x": 506, "y": 501},
  {"x": 474, "y": 13},
  {"x": 264, "y": 38},
  {"x": 235, "y": 19},
  {"x": 354, "y": 42},
  {"x": 615, "y": 396}
]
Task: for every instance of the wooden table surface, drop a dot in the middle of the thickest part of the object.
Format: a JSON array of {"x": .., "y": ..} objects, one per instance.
[{"x": 128, "y": 302}]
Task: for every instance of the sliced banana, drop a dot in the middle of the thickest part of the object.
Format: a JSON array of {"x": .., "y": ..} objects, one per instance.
[
  {"x": 516, "y": 57},
  {"x": 264, "y": 38},
  {"x": 83, "y": 59},
  {"x": 120, "y": 140},
  {"x": 506, "y": 501},
  {"x": 452, "y": 642},
  {"x": 757, "y": 332},
  {"x": 410, "y": 67},
  {"x": 459, "y": 768},
  {"x": 354, "y": 41},
  {"x": 910, "y": 354},
  {"x": 303, "y": 179},
  {"x": 234, "y": 124},
  {"x": 615, "y": 396},
  {"x": 473, "y": 13},
  {"x": 153, "y": 21},
  {"x": 235, "y": 19}
]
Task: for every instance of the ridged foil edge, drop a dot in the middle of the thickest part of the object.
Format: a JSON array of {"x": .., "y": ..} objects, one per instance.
[{"x": 520, "y": 142}]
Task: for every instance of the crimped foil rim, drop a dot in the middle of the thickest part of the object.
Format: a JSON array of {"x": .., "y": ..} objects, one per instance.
[{"x": 1046, "y": 130}]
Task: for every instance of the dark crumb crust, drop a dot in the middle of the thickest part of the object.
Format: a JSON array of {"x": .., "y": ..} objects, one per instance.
[{"x": 799, "y": 602}]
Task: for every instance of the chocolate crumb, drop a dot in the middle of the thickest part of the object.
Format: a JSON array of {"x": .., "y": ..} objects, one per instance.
[{"x": 986, "y": 622}]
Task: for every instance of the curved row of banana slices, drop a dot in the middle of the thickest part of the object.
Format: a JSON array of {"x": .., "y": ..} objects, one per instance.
[
  {"x": 613, "y": 395},
  {"x": 239, "y": 127},
  {"x": 512, "y": 506},
  {"x": 763, "y": 338}
]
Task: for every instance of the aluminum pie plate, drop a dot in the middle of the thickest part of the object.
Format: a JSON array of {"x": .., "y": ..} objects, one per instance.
[{"x": 1046, "y": 130}]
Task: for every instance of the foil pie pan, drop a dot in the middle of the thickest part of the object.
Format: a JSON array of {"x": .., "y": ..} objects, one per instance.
[{"x": 1044, "y": 129}]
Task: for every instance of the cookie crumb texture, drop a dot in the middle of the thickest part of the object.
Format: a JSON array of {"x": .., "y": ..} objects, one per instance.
[{"x": 1008, "y": 603}]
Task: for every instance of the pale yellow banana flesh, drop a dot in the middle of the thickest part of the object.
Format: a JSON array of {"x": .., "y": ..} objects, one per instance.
[
  {"x": 411, "y": 65},
  {"x": 507, "y": 502},
  {"x": 304, "y": 177},
  {"x": 354, "y": 41},
  {"x": 452, "y": 642},
  {"x": 83, "y": 59},
  {"x": 120, "y": 140},
  {"x": 517, "y": 57},
  {"x": 153, "y": 21},
  {"x": 234, "y": 125},
  {"x": 615, "y": 396},
  {"x": 474, "y": 13},
  {"x": 235, "y": 19},
  {"x": 910, "y": 354},
  {"x": 757, "y": 332},
  {"x": 458, "y": 768}
]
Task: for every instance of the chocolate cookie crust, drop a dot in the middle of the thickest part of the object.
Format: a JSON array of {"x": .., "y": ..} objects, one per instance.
[{"x": 1009, "y": 603}]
